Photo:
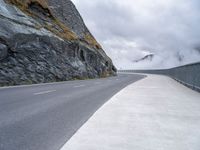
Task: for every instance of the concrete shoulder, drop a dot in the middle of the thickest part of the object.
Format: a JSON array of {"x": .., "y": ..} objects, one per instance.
[{"x": 152, "y": 114}]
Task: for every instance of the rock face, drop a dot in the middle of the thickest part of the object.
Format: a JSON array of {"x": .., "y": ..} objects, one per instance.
[{"x": 45, "y": 41}]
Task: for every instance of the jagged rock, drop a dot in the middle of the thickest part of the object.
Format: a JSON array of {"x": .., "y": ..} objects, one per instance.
[
  {"x": 46, "y": 44},
  {"x": 3, "y": 51},
  {"x": 67, "y": 13}
]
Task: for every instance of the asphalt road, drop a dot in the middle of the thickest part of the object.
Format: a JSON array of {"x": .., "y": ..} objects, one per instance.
[{"x": 44, "y": 117}]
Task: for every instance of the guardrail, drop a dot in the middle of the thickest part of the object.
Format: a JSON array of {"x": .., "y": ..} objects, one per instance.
[{"x": 189, "y": 75}]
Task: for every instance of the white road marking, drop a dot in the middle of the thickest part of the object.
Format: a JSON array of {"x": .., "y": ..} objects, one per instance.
[
  {"x": 35, "y": 85},
  {"x": 78, "y": 86},
  {"x": 97, "y": 82},
  {"x": 44, "y": 92}
]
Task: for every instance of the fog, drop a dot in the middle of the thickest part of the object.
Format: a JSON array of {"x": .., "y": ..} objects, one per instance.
[{"x": 128, "y": 30}]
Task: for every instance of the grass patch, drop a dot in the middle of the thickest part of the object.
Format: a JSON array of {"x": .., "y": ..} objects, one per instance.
[
  {"x": 61, "y": 30},
  {"x": 24, "y": 5},
  {"x": 92, "y": 41}
]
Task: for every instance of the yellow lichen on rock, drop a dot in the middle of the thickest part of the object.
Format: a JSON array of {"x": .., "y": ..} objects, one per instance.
[
  {"x": 64, "y": 31},
  {"x": 25, "y": 3},
  {"x": 91, "y": 41}
]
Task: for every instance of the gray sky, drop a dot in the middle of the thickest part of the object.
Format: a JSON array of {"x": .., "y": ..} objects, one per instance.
[{"x": 131, "y": 29}]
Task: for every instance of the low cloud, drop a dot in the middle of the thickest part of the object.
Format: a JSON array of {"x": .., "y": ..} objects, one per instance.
[{"x": 129, "y": 30}]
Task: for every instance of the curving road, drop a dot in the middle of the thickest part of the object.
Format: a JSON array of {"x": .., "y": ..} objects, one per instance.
[{"x": 44, "y": 117}]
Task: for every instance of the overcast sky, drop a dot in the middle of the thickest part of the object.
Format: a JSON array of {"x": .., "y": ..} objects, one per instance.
[{"x": 130, "y": 29}]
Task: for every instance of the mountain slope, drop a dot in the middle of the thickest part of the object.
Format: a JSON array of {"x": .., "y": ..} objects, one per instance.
[{"x": 45, "y": 41}]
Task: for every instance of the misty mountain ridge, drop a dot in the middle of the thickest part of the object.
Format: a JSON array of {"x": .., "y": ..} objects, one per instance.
[
  {"x": 148, "y": 57},
  {"x": 161, "y": 61}
]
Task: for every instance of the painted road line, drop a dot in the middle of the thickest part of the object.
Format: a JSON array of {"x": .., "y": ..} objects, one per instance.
[
  {"x": 97, "y": 82},
  {"x": 78, "y": 86},
  {"x": 44, "y": 92},
  {"x": 36, "y": 85}
]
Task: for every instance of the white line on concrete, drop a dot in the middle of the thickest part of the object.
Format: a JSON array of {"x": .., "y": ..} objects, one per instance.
[
  {"x": 44, "y": 92},
  {"x": 97, "y": 82},
  {"x": 35, "y": 85},
  {"x": 78, "y": 86}
]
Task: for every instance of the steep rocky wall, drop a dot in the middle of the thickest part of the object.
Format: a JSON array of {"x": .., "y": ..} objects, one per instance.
[{"x": 46, "y": 42}]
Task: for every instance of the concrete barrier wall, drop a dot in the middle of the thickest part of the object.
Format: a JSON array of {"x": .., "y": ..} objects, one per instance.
[{"x": 188, "y": 75}]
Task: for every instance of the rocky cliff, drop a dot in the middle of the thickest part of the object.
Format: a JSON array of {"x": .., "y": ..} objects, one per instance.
[{"x": 47, "y": 40}]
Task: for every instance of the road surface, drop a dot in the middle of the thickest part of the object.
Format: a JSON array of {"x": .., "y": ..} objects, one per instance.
[
  {"x": 44, "y": 117},
  {"x": 156, "y": 113}
]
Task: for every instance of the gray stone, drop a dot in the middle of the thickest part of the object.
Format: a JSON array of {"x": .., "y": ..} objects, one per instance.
[
  {"x": 3, "y": 51},
  {"x": 37, "y": 55},
  {"x": 68, "y": 14}
]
